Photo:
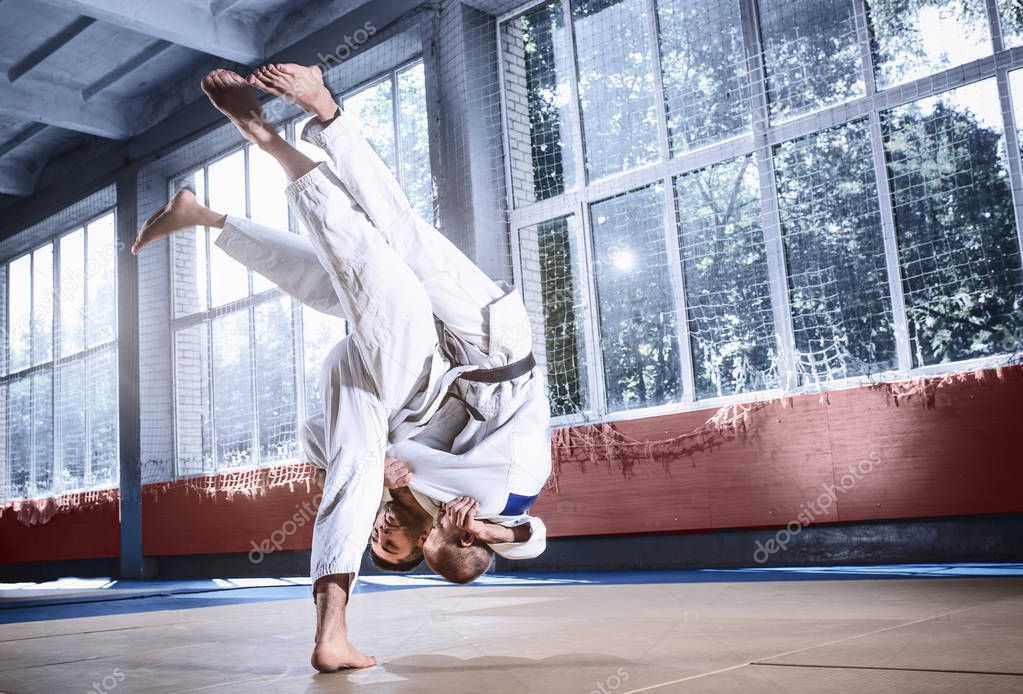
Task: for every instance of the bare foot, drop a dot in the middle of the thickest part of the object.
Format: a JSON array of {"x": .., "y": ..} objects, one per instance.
[
  {"x": 234, "y": 98},
  {"x": 183, "y": 211},
  {"x": 296, "y": 83},
  {"x": 333, "y": 656}
]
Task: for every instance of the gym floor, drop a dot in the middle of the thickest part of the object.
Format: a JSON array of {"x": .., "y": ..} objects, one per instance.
[{"x": 933, "y": 628}]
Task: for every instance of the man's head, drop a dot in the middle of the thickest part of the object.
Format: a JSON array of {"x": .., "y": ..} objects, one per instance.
[
  {"x": 396, "y": 543},
  {"x": 455, "y": 553}
]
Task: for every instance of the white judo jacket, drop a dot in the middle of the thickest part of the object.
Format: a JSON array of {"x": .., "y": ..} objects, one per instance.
[{"x": 393, "y": 386}]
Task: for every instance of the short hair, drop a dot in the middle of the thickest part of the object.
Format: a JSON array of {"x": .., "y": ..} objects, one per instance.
[
  {"x": 459, "y": 564},
  {"x": 402, "y": 566}
]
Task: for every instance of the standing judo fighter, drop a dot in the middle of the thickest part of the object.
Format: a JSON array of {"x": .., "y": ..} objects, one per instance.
[{"x": 371, "y": 259}]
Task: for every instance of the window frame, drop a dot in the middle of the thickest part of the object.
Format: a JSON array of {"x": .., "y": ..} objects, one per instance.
[
  {"x": 760, "y": 143},
  {"x": 254, "y": 299},
  {"x": 57, "y": 360}
]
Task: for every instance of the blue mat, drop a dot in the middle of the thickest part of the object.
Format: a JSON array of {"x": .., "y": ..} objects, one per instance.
[{"x": 150, "y": 596}]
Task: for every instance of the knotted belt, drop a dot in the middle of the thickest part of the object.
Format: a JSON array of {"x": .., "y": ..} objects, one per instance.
[
  {"x": 500, "y": 374},
  {"x": 508, "y": 372}
]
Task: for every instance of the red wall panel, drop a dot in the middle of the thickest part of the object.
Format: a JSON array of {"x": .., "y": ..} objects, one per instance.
[
  {"x": 178, "y": 520},
  {"x": 90, "y": 532},
  {"x": 959, "y": 451}
]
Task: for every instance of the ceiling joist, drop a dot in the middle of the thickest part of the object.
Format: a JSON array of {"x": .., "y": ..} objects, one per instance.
[
  {"x": 64, "y": 107},
  {"x": 22, "y": 137},
  {"x": 183, "y": 24},
  {"x": 49, "y": 47},
  {"x": 18, "y": 177},
  {"x": 125, "y": 68}
]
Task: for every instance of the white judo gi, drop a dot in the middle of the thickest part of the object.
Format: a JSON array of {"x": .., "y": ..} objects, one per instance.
[{"x": 391, "y": 387}]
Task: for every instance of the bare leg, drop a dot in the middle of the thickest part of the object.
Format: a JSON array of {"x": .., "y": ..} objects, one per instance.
[
  {"x": 460, "y": 293},
  {"x": 333, "y": 651},
  {"x": 235, "y": 99},
  {"x": 182, "y": 212}
]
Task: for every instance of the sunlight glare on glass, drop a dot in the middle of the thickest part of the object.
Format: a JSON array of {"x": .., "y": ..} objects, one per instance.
[{"x": 623, "y": 259}]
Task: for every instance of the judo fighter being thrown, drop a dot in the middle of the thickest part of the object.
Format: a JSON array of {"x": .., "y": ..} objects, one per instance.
[{"x": 436, "y": 383}]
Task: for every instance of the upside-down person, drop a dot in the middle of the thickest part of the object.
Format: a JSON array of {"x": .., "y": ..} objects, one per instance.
[{"x": 437, "y": 369}]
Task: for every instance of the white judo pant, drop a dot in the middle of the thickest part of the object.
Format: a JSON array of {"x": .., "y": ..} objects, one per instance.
[{"x": 371, "y": 259}]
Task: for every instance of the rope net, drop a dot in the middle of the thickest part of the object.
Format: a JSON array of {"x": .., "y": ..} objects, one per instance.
[{"x": 698, "y": 202}]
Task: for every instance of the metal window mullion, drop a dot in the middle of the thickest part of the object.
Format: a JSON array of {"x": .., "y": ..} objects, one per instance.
[
  {"x": 664, "y": 141},
  {"x": 774, "y": 246},
  {"x": 597, "y": 382},
  {"x": 54, "y": 317},
  {"x": 248, "y": 207},
  {"x": 292, "y": 135},
  {"x": 173, "y": 348},
  {"x": 893, "y": 267},
  {"x": 544, "y": 211},
  {"x": 399, "y": 170},
  {"x": 57, "y": 462},
  {"x": 5, "y": 489},
  {"x": 211, "y": 398},
  {"x": 520, "y": 10},
  {"x": 209, "y": 333},
  {"x": 31, "y": 381},
  {"x": 87, "y": 419},
  {"x": 995, "y": 26},
  {"x": 298, "y": 340},
  {"x": 5, "y": 348},
  {"x": 509, "y": 185},
  {"x": 576, "y": 114},
  {"x": 1012, "y": 150},
  {"x": 253, "y": 388},
  {"x": 670, "y": 225},
  {"x": 677, "y": 272}
]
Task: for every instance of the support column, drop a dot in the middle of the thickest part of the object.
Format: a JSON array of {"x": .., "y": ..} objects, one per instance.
[
  {"x": 464, "y": 106},
  {"x": 131, "y": 564}
]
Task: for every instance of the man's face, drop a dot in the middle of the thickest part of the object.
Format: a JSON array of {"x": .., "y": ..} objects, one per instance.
[
  {"x": 393, "y": 537},
  {"x": 444, "y": 530}
]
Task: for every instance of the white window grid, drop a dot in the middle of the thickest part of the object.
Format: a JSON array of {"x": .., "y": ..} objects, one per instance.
[
  {"x": 292, "y": 132},
  {"x": 759, "y": 143},
  {"x": 53, "y": 366}
]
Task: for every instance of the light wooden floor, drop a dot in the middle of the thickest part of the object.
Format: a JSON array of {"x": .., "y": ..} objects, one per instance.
[{"x": 832, "y": 636}]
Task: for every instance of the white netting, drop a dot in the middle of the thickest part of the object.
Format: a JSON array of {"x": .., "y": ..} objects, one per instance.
[
  {"x": 58, "y": 381},
  {"x": 708, "y": 200},
  {"x": 228, "y": 381},
  {"x": 811, "y": 234}
]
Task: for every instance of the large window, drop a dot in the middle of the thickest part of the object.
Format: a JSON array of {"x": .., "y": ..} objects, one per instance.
[
  {"x": 58, "y": 390},
  {"x": 247, "y": 358},
  {"x": 712, "y": 200}
]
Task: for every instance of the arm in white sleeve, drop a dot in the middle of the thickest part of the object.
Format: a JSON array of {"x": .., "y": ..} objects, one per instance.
[{"x": 533, "y": 547}]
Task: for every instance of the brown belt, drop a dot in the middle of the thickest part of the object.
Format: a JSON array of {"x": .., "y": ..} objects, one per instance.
[{"x": 508, "y": 372}]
